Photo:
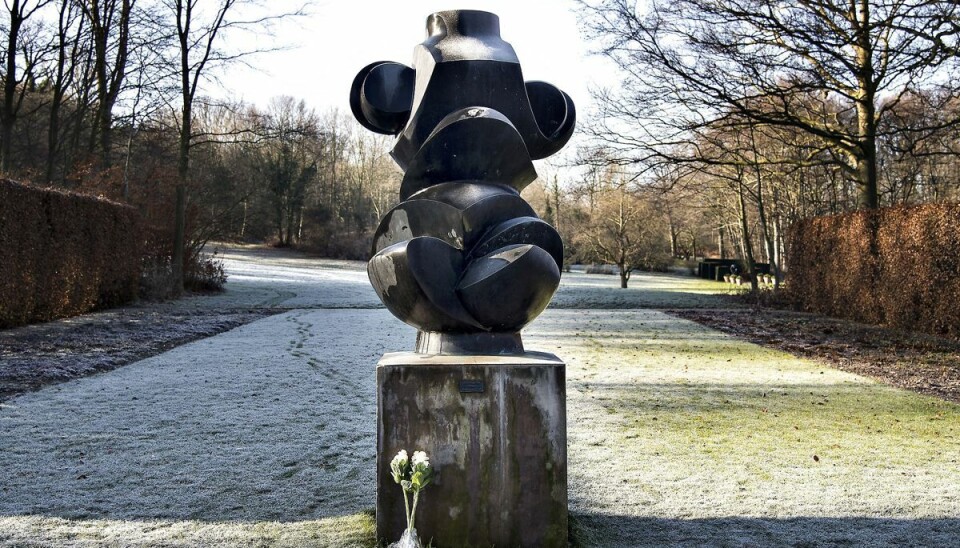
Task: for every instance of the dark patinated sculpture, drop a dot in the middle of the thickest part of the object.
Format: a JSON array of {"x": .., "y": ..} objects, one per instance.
[{"x": 463, "y": 258}]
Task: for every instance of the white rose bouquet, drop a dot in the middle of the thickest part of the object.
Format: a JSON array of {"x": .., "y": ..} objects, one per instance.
[{"x": 413, "y": 476}]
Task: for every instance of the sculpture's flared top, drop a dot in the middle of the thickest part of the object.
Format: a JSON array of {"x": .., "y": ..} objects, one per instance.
[
  {"x": 462, "y": 35},
  {"x": 462, "y": 22}
]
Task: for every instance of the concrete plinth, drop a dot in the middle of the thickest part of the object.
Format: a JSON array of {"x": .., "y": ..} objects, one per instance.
[{"x": 495, "y": 429}]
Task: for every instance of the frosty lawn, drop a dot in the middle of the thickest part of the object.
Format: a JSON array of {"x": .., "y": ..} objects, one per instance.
[
  {"x": 678, "y": 435},
  {"x": 683, "y": 435}
]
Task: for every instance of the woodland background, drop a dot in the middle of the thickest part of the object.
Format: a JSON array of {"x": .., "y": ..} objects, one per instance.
[{"x": 733, "y": 121}]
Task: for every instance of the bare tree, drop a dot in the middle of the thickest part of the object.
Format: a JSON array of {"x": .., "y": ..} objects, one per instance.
[
  {"x": 288, "y": 162},
  {"x": 626, "y": 231},
  {"x": 13, "y": 89},
  {"x": 109, "y": 22},
  {"x": 199, "y": 32},
  {"x": 691, "y": 64},
  {"x": 69, "y": 33}
]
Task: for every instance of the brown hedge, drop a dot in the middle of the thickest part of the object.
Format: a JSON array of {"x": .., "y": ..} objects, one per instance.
[
  {"x": 897, "y": 267},
  {"x": 63, "y": 254}
]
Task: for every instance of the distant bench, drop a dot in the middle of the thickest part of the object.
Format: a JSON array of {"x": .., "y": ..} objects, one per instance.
[{"x": 716, "y": 269}]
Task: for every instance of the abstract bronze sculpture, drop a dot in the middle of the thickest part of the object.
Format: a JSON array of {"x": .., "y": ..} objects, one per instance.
[{"x": 463, "y": 258}]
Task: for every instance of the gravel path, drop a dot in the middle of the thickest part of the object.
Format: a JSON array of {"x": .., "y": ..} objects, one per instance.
[{"x": 679, "y": 435}]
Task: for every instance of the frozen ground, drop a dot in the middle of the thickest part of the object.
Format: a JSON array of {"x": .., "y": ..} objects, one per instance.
[
  {"x": 272, "y": 421},
  {"x": 679, "y": 435},
  {"x": 683, "y": 436},
  {"x": 262, "y": 281},
  {"x": 645, "y": 290},
  {"x": 275, "y": 278},
  {"x": 285, "y": 279}
]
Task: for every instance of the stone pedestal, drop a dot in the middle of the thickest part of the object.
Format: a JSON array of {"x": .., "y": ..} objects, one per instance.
[{"x": 495, "y": 429}]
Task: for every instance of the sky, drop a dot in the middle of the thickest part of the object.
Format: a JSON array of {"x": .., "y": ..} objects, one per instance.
[{"x": 340, "y": 37}]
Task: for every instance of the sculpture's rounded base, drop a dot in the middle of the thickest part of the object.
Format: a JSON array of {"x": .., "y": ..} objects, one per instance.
[{"x": 481, "y": 343}]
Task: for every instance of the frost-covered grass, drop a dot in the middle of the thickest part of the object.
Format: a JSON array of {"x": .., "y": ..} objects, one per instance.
[
  {"x": 274, "y": 278},
  {"x": 678, "y": 435},
  {"x": 274, "y": 421},
  {"x": 354, "y": 530},
  {"x": 682, "y": 435},
  {"x": 644, "y": 290}
]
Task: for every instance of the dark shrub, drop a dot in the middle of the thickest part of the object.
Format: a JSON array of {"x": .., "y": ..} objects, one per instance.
[
  {"x": 897, "y": 267},
  {"x": 63, "y": 254},
  {"x": 205, "y": 274}
]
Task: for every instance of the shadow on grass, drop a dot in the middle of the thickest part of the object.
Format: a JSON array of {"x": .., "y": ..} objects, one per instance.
[
  {"x": 600, "y": 530},
  {"x": 849, "y": 399},
  {"x": 617, "y": 299}
]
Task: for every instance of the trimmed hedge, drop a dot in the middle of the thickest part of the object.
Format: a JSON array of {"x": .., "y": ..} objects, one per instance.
[
  {"x": 63, "y": 254},
  {"x": 898, "y": 267}
]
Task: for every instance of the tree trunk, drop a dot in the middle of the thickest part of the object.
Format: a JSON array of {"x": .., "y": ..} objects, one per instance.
[
  {"x": 768, "y": 240},
  {"x": 777, "y": 248},
  {"x": 777, "y": 240},
  {"x": 109, "y": 82},
  {"x": 866, "y": 161},
  {"x": 180, "y": 213},
  {"x": 82, "y": 106},
  {"x": 105, "y": 134},
  {"x": 762, "y": 210},
  {"x": 867, "y": 170},
  {"x": 624, "y": 277},
  {"x": 722, "y": 250},
  {"x": 53, "y": 136},
  {"x": 99, "y": 130},
  {"x": 300, "y": 224},
  {"x": 6, "y": 135},
  {"x": 673, "y": 236},
  {"x": 291, "y": 220},
  {"x": 556, "y": 202},
  {"x": 126, "y": 165},
  {"x": 243, "y": 222},
  {"x": 179, "y": 222},
  {"x": 8, "y": 114},
  {"x": 745, "y": 230},
  {"x": 59, "y": 88}
]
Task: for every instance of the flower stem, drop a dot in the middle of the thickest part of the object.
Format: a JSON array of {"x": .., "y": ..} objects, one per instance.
[
  {"x": 413, "y": 514},
  {"x": 406, "y": 506}
]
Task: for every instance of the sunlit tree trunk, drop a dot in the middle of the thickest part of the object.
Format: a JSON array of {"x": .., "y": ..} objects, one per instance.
[{"x": 745, "y": 239}]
